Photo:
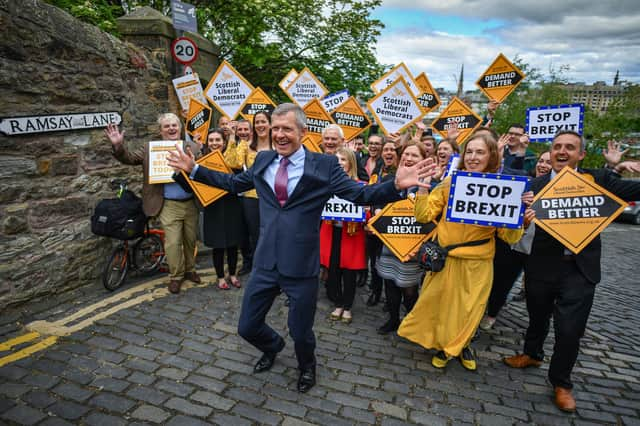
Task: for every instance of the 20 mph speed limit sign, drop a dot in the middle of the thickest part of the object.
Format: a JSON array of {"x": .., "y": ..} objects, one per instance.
[{"x": 184, "y": 50}]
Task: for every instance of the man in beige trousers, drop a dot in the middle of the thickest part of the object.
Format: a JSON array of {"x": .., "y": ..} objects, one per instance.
[{"x": 175, "y": 208}]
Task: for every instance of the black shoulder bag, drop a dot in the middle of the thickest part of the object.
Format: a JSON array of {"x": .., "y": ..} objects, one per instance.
[{"x": 432, "y": 255}]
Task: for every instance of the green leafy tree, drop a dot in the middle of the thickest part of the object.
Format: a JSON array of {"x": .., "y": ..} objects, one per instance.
[{"x": 264, "y": 39}]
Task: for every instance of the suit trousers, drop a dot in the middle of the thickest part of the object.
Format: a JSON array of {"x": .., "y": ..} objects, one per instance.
[
  {"x": 179, "y": 220},
  {"x": 374, "y": 246},
  {"x": 262, "y": 289},
  {"x": 568, "y": 296}
]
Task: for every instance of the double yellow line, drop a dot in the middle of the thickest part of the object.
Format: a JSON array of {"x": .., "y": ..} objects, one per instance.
[{"x": 46, "y": 333}]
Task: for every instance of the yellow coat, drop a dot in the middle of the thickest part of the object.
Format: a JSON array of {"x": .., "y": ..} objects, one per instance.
[
  {"x": 452, "y": 301},
  {"x": 241, "y": 156}
]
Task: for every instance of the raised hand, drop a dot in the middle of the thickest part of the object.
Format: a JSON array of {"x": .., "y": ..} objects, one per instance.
[
  {"x": 613, "y": 154},
  {"x": 115, "y": 136},
  {"x": 181, "y": 160},
  {"x": 453, "y": 132},
  {"x": 419, "y": 174},
  {"x": 628, "y": 166}
]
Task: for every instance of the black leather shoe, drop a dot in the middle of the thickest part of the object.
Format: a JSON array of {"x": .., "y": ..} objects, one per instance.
[
  {"x": 266, "y": 360},
  {"x": 373, "y": 299},
  {"x": 306, "y": 380},
  {"x": 388, "y": 327}
]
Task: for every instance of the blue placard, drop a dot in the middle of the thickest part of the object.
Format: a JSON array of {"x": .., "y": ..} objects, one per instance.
[
  {"x": 452, "y": 165},
  {"x": 545, "y": 121},
  {"x": 184, "y": 16},
  {"x": 487, "y": 199}
]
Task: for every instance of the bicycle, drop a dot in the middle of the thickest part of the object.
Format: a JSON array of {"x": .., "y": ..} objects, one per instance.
[{"x": 146, "y": 255}]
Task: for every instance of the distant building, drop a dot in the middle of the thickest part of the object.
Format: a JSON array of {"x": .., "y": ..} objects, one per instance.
[{"x": 598, "y": 95}]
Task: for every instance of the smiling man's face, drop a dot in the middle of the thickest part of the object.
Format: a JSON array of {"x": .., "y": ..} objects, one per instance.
[
  {"x": 566, "y": 150},
  {"x": 285, "y": 133}
]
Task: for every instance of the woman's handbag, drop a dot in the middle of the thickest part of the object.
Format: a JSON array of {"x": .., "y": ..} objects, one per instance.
[{"x": 432, "y": 255}]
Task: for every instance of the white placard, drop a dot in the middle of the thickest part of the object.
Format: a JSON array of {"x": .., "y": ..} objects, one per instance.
[
  {"x": 394, "y": 74},
  {"x": 339, "y": 209},
  {"x": 544, "y": 122},
  {"x": 395, "y": 107},
  {"x": 159, "y": 170},
  {"x": 187, "y": 87},
  {"x": 305, "y": 87},
  {"x": 228, "y": 90},
  {"x": 487, "y": 199},
  {"x": 288, "y": 79},
  {"x": 334, "y": 100}
]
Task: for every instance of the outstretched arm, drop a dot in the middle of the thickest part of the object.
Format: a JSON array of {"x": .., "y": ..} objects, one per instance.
[{"x": 419, "y": 174}]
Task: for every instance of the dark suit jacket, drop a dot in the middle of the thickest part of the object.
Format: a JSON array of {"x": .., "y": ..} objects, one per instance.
[
  {"x": 289, "y": 235},
  {"x": 546, "y": 257}
]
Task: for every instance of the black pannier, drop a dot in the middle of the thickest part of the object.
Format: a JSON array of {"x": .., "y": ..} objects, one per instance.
[{"x": 120, "y": 218}]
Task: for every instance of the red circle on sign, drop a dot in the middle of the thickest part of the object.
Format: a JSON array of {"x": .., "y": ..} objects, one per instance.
[{"x": 184, "y": 50}]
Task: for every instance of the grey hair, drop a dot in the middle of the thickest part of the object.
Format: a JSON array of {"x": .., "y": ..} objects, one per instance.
[
  {"x": 169, "y": 116},
  {"x": 583, "y": 142},
  {"x": 284, "y": 109},
  {"x": 333, "y": 127}
]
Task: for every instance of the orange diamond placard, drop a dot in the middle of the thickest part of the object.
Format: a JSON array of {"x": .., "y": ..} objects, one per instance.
[
  {"x": 395, "y": 108},
  {"x": 574, "y": 209},
  {"x": 227, "y": 90},
  {"x": 428, "y": 97},
  {"x": 394, "y": 74},
  {"x": 351, "y": 118},
  {"x": 500, "y": 79},
  {"x": 258, "y": 101},
  {"x": 396, "y": 226},
  {"x": 205, "y": 193},
  {"x": 198, "y": 120},
  {"x": 317, "y": 119},
  {"x": 457, "y": 112},
  {"x": 306, "y": 87},
  {"x": 311, "y": 145}
]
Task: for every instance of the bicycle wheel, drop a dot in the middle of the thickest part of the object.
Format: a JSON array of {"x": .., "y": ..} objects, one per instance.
[
  {"x": 148, "y": 253},
  {"x": 116, "y": 269}
]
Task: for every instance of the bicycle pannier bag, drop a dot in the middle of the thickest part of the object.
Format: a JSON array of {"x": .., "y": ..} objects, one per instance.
[{"x": 120, "y": 218}]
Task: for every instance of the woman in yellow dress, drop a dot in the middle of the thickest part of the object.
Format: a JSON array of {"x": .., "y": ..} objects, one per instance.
[{"x": 452, "y": 301}]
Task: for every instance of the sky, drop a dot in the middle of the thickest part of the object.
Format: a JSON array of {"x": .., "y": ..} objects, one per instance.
[{"x": 593, "y": 37}]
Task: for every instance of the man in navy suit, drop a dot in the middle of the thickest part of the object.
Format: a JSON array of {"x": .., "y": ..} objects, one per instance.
[
  {"x": 293, "y": 185},
  {"x": 562, "y": 284}
]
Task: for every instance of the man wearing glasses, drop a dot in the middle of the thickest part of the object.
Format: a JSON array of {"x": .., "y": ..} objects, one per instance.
[{"x": 517, "y": 146}]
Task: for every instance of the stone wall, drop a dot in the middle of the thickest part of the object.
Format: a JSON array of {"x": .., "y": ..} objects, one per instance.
[{"x": 50, "y": 63}]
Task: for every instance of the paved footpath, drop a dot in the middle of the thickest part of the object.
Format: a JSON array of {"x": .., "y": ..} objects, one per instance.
[{"x": 142, "y": 356}]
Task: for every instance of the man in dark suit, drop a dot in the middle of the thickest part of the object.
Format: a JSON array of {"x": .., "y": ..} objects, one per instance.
[
  {"x": 293, "y": 185},
  {"x": 562, "y": 284}
]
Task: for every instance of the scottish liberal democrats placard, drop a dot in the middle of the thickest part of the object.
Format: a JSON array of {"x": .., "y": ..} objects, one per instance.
[
  {"x": 487, "y": 199},
  {"x": 574, "y": 209}
]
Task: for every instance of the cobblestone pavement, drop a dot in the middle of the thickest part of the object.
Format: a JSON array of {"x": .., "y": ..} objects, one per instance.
[{"x": 177, "y": 360}]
